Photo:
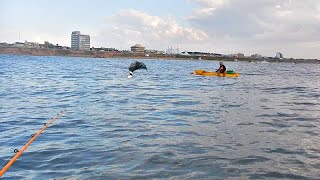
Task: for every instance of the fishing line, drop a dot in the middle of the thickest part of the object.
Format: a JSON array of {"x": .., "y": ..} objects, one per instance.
[
  {"x": 5, "y": 162},
  {"x": 33, "y": 138}
]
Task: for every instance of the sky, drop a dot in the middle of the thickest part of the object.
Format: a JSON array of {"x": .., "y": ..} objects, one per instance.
[{"x": 264, "y": 27}]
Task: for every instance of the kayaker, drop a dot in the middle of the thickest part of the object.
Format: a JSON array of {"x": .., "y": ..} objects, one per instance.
[{"x": 222, "y": 68}]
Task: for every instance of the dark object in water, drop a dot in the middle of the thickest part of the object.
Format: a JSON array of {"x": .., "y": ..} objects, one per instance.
[{"x": 137, "y": 65}]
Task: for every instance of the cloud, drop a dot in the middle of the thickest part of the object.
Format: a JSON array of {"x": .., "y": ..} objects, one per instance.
[
  {"x": 207, "y": 7},
  {"x": 210, "y": 3},
  {"x": 264, "y": 24},
  {"x": 131, "y": 26},
  {"x": 13, "y": 35}
]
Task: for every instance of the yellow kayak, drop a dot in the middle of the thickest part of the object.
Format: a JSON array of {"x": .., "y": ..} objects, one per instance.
[{"x": 208, "y": 73}]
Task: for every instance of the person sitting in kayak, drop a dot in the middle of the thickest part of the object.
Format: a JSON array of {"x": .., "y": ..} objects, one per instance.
[{"x": 222, "y": 69}]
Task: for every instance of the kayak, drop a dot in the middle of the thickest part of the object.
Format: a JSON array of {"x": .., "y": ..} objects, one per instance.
[{"x": 208, "y": 73}]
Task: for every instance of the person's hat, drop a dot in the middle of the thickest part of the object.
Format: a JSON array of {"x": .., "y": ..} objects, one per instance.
[{"x": 221, "y": 63}]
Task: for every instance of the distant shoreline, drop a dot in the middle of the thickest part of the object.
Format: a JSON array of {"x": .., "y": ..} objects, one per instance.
[{"x": 116, "y": 54}]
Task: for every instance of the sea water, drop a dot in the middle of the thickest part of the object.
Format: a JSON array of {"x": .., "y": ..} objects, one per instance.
[{"x": 163, "y": 123}]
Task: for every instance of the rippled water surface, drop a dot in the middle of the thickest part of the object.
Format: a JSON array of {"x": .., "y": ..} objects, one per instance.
[{"x": 164, "y": 123}]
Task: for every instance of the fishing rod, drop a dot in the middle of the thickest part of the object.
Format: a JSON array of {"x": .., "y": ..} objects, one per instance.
[{"x": 33, "y": 137}]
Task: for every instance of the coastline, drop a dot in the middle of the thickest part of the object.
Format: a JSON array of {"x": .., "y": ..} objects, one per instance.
[{"x": 116, "y": 54}]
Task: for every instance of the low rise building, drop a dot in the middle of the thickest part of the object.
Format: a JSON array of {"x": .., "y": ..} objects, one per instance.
[
  {"x": 18, "y": 44},
  {"x": 240, "y": 55},
  {"x": 46, "y": 45},
  {"x": 137, "y": 49},
  {"x": 31, "y": 44},
  {"x": 4, "y": 44},
  {"x": 154, "y": 51},
  {"x": 256, "y": 56},
  {"x": 185, "y": 53}
]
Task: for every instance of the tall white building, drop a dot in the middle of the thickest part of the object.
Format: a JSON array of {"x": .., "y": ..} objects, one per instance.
[{"x": 80, "y": 41}]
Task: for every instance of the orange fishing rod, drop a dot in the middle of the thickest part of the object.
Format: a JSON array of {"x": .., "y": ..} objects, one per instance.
[{"x": 34, "y": 136}]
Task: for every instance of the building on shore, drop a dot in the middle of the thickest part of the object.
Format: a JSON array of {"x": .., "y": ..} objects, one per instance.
[
  {"x": 196, "y": 53},
  {"x": 31, "y": 44},
  {"x": 238, "y": 55},
  {"x": 18, "y": 44},
  {"x": 4, "y": 44},
  {"x": 185, "y": 53},
  {"x": 154, "y": 51},
  {"x": 137, "y": 49},
  {"x": 279, "y": 55},
  {"x": 256, "y": 56},
  {"x": 80, "y": 41},
  {"x": 46, "y": 45}
]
